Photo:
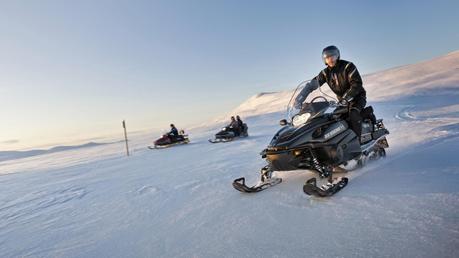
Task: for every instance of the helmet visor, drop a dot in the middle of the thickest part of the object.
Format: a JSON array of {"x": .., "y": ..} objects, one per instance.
[{"x": 330, "y": 53}]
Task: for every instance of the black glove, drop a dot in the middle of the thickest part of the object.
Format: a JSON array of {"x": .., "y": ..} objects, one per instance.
[{"x": 343, "y": 102}]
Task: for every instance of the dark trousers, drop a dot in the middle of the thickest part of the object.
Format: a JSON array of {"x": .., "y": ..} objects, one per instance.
[
  {"x": 236, "y": 131},
  {"x": 354, "y": 117}
]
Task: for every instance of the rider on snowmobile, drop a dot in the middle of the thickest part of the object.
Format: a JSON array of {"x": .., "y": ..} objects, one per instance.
[
  {"x": 173, "y": 133},
  {"x": 234, "y": 126},
  {"x": 239, "y": 121},
  {"x": 344, "y": 80},
  {"x": 240, "y": 124}
]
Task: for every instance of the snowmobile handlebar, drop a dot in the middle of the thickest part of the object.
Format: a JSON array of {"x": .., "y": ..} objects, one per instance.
[
  {"x": 292, "y": 109},
  {"x": 332, "y": 103}
]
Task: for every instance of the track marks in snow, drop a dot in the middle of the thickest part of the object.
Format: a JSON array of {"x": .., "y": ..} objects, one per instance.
[
  {"x": 188, "y": 185},
  {"x": 35, "y": 203},
  {"x": 405, "y": 114},
  {"x": 148, "y": 189}
]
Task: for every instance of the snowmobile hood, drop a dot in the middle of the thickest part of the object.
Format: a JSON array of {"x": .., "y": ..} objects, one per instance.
[{"x": 287, "y": 136}]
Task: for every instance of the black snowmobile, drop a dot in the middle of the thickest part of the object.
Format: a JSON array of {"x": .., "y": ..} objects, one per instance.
[
  {"x": 318, "y": 138},
  {"x": 228, "y": 134}
]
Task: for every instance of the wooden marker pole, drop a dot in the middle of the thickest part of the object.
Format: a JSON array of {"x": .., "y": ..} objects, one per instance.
[{"x": 125, "y": 137}]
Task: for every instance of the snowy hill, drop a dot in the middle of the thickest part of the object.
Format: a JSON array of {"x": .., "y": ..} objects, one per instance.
[
  {"x": 430, "y": 77},
  {"x": 179, "y": 202},
  {"x": 436, "y": 76}
]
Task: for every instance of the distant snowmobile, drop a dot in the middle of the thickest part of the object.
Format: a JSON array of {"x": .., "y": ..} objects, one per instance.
[
  {"x": 227, "y": 134},
  {"x": 318, "y": 138},
  {"x": 168, "y": 140}
]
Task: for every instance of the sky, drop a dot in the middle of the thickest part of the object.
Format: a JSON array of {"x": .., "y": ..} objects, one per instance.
[{"x": 71, "y": 71}]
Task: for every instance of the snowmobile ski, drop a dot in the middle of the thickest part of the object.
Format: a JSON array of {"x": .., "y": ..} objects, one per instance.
[
  {"x": 229, "y": 139},
  {"x": 220, "y": 140},
  {"x": 239, "y": 184},
  {"x": 157, "y": 147},
  {"x": 311, "y": 188}
]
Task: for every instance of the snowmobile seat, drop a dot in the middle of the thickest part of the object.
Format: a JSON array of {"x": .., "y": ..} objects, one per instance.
[{"x": 368, "y": 113}]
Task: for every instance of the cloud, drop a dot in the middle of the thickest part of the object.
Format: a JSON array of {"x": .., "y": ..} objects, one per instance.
[{"x": 10, "y": 141}]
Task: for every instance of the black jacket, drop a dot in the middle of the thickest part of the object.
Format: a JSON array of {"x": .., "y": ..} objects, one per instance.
[
  {"x": 234, "y": 124},
  {"x": 344, "y": 80},
  {"x": 173, "y": 132},
  {"x": 240, "y": 123}
]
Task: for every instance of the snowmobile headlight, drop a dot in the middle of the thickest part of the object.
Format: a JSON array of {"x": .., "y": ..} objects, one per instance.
[{"x": 300, "y": 119}]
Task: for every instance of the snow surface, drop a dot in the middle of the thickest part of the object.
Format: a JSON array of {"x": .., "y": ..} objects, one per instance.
[{"x": 179, "y": 202}]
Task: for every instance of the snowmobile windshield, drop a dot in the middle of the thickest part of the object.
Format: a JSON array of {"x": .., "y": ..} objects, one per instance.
[
  {"x": 291, "y": 109},
  {"x": 310, "y": 109}
]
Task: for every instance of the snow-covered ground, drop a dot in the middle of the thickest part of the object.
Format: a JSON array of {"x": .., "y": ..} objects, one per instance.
[{"x": 179, "y": 202}]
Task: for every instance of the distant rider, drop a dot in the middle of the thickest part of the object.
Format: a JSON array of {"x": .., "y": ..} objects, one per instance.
[
  {"x": 240, "y": 124},
  {"x": 344, "y": 80},
  {"x": 234, "y": 126},
  {"x": 173, "y": 133}
]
